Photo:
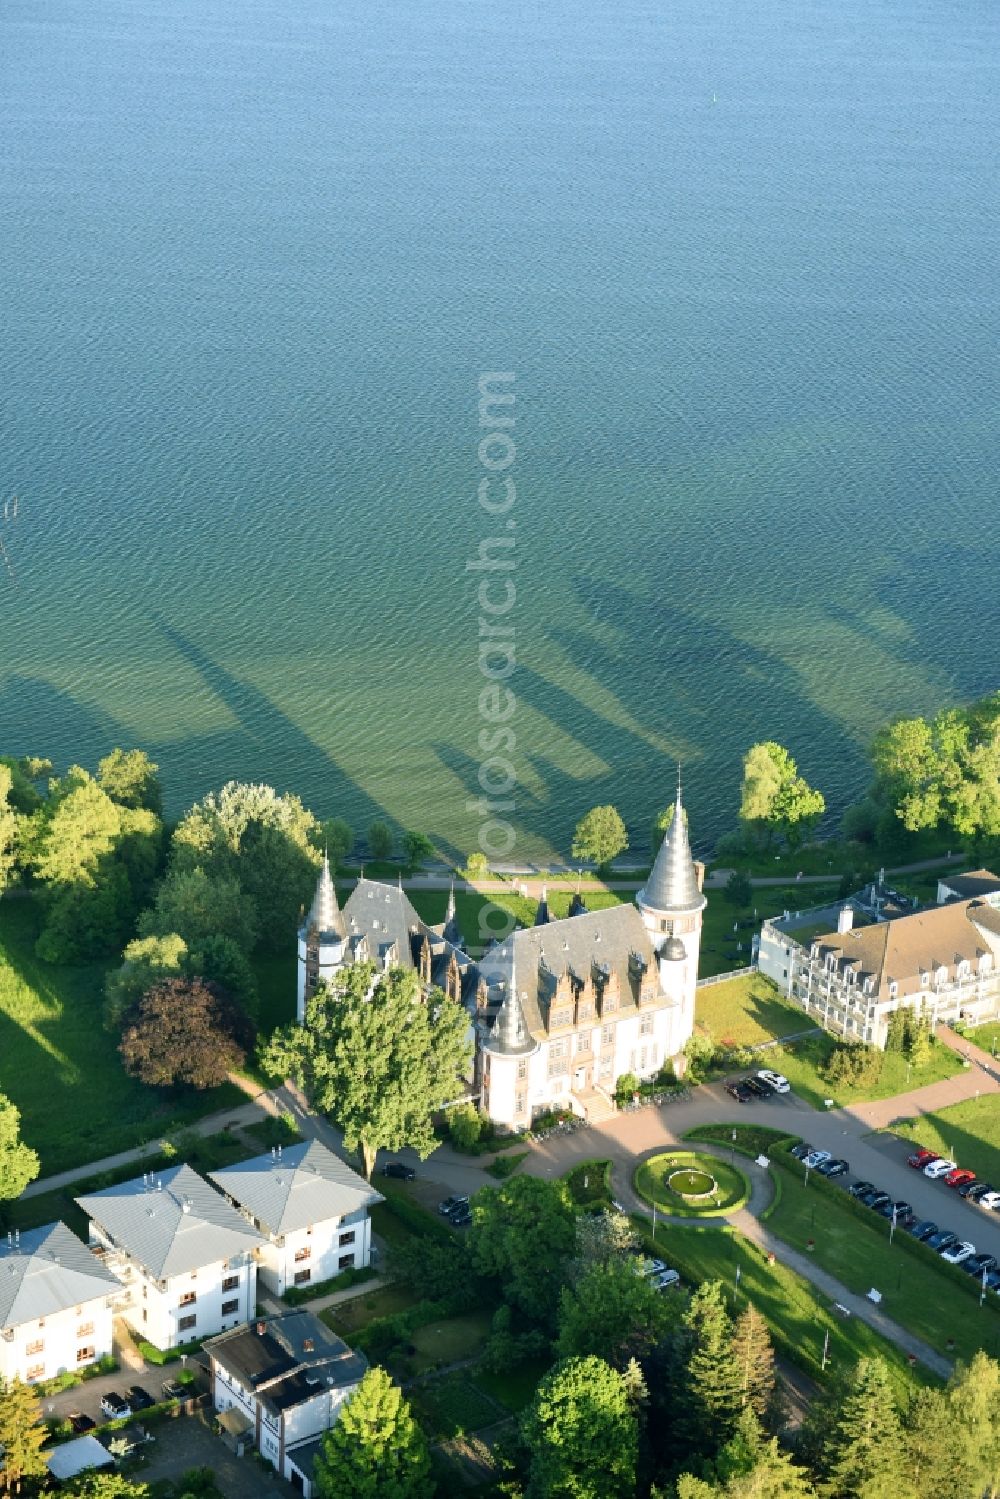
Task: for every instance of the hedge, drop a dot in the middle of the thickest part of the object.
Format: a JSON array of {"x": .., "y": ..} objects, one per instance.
[
  {"x": 154, "y": 1355},
  {"x": 296, "y": 1295}
]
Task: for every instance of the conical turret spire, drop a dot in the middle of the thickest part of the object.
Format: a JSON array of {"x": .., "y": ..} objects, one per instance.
[
  {"x": 452, "y": 932},
  {"x": 325, "y": 914},
  {"x": 673, "y": 881},
  {"x": 510, "y": 1033}
]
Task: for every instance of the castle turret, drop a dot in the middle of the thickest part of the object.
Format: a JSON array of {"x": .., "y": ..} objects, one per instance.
[
  {"x": 671, "y": 903},
  {"x": 452, "y": 932},
  {"x": 321, "y": 939}
]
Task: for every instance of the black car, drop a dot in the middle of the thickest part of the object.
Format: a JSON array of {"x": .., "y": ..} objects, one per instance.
[
  {"x": 139, "y": 1399},
  {"x": 902, "y": 1210},
  {"x": 980, "y": 1190},
  {"x": 922, "y": 1229},
  {"x": 758, "y": 1087},
  {"x": 993, "y": 1280},
  {"x": 967, "y": 1188},
  {"x": 172, "y": 1389},
  {"x": 943, "y": 1239},
  {"x": 81, "y": 1423},
  {"x": 860, "y": 1188},
  {"x": 739, "y": 1090},
  {"x": 463, "y": 1217},
  {"x": 801, "y": 1150},
  {"x": 979, "y": 1264},
  {"x": 399, "y": 1171},
  {"x": 115, "y": 1406},
  {"x": 836, "y": 1167},
  {"x": 876, "y": 1200},
  {"x": 452, "y": 1205}
]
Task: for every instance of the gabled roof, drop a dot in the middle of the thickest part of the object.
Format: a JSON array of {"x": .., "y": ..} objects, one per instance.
[
  {"x": 899, "y": 951},
  {"x": 306, "y": 1184},
  {"x": 170, "y": 1222},
  {"x": 672, "y": 886},
  {"x": 975, "y": 882},
  {"x": 384, "y": 915},
  {"x": 47, "y": 1271}
]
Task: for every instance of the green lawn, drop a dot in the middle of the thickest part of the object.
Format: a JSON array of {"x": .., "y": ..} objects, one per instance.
[
  {"x": 722, "y": 948},
  {"x": 651, "y": 1183},
  {"x": 799, "y": 1316},
  {"x": 61, "y": 1067},
  {"x": 967, "y": 1132},
  {"x": 588, "y": 1185},
  {"x": 800, "y": 1062},
  {"x": 751, "y": 1139},
  {"x": 349, "y": 1317},
  {"x": 985, "y": 1036},
  {"x": 514, "y": 1388},
  {"x": 451, "y": 1339},
  {"x": 746, "y": 1011},
  {"x": 933, "y": 1300}
]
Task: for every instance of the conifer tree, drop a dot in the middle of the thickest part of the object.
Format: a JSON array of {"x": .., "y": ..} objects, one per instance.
[
  {"x": 754, "y": 1355},
  {"x": 375, "y": 1450},
  {"x": 863, "y": 1449},
  {"x": 974, "y": 1411},
  {"x": 22, "y": 1435},
  {"x": 714, "y": 1384}
]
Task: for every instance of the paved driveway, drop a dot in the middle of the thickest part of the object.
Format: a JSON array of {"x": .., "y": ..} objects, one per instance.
[{"x": 189, "y": 1443}]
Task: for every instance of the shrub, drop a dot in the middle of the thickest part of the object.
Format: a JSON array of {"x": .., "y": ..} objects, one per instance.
[
  {"x": 465, "y": 1125},
  {"x": 625, "y": 1087},
  {"x": 506, "y": 1165},
  {"x": 853, "y": 1063},
  {"x": 354, "y": 1275},
  {"x": 477, "y": 866}
]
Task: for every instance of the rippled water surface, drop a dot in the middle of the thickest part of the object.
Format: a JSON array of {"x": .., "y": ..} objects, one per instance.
[{"x": 743, "y": 260}]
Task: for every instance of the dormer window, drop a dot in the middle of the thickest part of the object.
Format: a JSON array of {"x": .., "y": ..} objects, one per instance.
[
  {"x": 985, "y": 962},
  {"x": 925, "y": 979},
  {"x": 964, "y": 969},
  {"x": 893, "y": 989},
  {"x": 941, "y": 977}
]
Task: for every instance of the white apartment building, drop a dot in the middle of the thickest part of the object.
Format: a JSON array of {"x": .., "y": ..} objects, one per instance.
[
  {"x": 55, "y": 1304},
  {"x": 281, "y": 1383},
  {"x": 311, "y": 1210},
  {"x": 185, "y": 1255}
]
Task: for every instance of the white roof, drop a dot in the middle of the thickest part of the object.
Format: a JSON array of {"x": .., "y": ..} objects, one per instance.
[
  {"x": 304, "y": 1185},
  {"x": 47, "y": 1270},
  {"x": 74, "y": 1457}
]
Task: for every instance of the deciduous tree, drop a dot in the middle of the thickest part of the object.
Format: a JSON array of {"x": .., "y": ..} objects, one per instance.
[
  {"x": 375, "y": 1450},
  {"x": 600, "y": 836},
  {"x": 943, "y": 771},
  {"x": 18, "y": 1162},
  {"x": 130, "y": 778},
  {"x": 197, "y": 905},
  {"x": 185, "y": 1033},
  {"x": 380, "y": 840},
  {"x": 581, "y": 1433},
  {"x": 615, "y": 1313},
  {"x": 417, "y": 847},
  {"x": 775, "y": 798},
  {"x": 8, "y": 826},
  {"x": 337, "y": 837},
  {"x": 376, "y": 1055},
  {"x": 523, "y": 1236},
  {"x": 22, "y": 1435}
]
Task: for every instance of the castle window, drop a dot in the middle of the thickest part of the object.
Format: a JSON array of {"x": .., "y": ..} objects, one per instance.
[
  {"x": 646, "y": 1025},
  {"x": 522, "y": 1069}
]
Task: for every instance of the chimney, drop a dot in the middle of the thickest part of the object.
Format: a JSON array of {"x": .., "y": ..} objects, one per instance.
[{"x": 845, "y": 920}]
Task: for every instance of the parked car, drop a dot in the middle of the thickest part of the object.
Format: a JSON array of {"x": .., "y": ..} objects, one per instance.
[
  {"x": 860, "y": 1188},
  {"x": 976, "y": 1191},
  {"x": 964, "y": 1249},
  {"x": 115, "y": 1406},
  {"x": 938, "y": 1168},
  {"x": 922, "y": 1229},
  {"x": 450, "y": 1205},
  {"x": 902, "y": 1210},
  {"x": 172, "y": 1389},
  {"x": 652, "y": 1267},
  {"x": 959, "y": 1177},
  {"x": 816, "y": 1158},
  {"x": 801, "y": 1150},
  {"x": 921, "y": 1158},
  {"x": 834, "y": 1167},
  {"x": 81, "y": 1423},
  {"x": 980, "y": 1264},
  {"x": 779, "y": 1083},
  {"x": 758, "y": 1088},
  {"x": 665, "y": 1279},
  {"x": 943, "y": 1239},
  {"x": 876, "y": 1200},
  {"x": 139, "y": 1399},
  {"x": 993, "y": 1280},
  {"x": 990, "y": 1199},
  {"x": 739, "y": 1090},
  {"x": 462, "y": 1217},
  {"x": 399, "y": 1171}
]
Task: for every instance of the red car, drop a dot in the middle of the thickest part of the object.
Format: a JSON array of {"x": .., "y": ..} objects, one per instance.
[
  {"x": 959, "y": 1177},
  {"x": 922, "y": 1158}
]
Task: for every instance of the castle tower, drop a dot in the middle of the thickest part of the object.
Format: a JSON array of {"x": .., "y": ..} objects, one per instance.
[
  {"x": 452, "y": 931},
  {"x": 671, "y": 904},
  {"x": 321, "y": 939}
]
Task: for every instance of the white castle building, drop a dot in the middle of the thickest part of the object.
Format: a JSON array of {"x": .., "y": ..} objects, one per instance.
[{"x": 559, "y": 1011}]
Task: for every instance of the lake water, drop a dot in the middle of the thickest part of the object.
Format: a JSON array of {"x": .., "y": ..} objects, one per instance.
[{"x": 255, "y": 255}]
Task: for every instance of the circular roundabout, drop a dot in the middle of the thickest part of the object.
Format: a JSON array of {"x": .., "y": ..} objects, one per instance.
[{"x": 690, "y": 1184}]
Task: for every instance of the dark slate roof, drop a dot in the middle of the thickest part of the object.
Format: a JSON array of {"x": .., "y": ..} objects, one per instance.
[
  {"x": 384, "y": 916},
  {"x": 451, "y": 931},
  {"x": 46, "y": 1271},
  {"x": 672, "y": 886},
  {"x": 325, "y": 916},
  {"x": 172, "y": 1227},
  {"x": 289, "y": 1361},
  {"x": 542, "y": 912},
  {"x": 304, "y": 1455},
  {"x": 306, "y": 1184},
  {"x": 531, "y": 960}
]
